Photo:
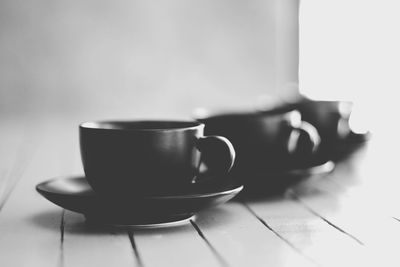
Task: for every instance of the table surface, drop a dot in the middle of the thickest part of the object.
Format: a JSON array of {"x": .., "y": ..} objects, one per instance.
[{"x": 350, "y": 217}]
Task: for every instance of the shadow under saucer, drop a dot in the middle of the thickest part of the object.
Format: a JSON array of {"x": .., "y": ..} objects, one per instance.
[{"x": 276, "y": 182}]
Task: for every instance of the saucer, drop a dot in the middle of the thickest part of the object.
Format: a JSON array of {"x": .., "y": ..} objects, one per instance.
[
  {"x": 75, "y": 194},
  {"x": 277, "y": 181}
]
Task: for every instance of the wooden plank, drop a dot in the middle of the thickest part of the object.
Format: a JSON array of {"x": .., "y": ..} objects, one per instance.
[
  {"x": 85, "y": 245},
  {"x": 357, "y": 214},
  {"x": 29, "y": 226},
  {"x": 361, "y": 198},
  {"x": 309, "y": 234},
  {"x": 12, "y": 143},
  {"x": 242, "y": 240},
  {"x": 379, "y": 234},
  {"x": 176, "y": 246}
]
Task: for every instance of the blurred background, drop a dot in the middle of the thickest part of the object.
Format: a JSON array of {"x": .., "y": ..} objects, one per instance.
[
  {"x": 136, "y": 59},
  {"x": 144, "y": 58}
]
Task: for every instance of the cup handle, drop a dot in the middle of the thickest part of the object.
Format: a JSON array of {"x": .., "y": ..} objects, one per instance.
[
  {"x": 217, "y": 157},
  {"x": 303, "y": 139}
]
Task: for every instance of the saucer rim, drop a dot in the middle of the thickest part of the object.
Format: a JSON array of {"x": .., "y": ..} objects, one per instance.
[
  {"x": 327, "y": 166},
  {"x": 235, "y": 188},
  {"x": 168, "y": 224}
]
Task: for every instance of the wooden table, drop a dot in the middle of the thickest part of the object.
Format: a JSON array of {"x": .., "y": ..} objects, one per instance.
[{"x": 348, "y": 218}]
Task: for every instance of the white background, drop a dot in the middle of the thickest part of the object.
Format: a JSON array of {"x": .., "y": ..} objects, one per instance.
[{"x": 350, "y": 49}]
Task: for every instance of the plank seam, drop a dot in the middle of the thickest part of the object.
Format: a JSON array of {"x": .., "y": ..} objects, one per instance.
[
  {"x": 22, "y": 160},
  {"x": 62, "y": 227},
  {"x": 62, "y": 230},
  {"x": 296, "y": 198},
  {"x": 397, "y": 219},
  {"x": 220, "y": 259},
  {"x": 287, "y": 242},
  {"x": 135, "y": 248}
]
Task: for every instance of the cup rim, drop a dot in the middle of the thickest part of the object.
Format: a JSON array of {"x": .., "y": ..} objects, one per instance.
[
  {"x": 279, "y": 111},
  {"x": 168, "y": 125}
]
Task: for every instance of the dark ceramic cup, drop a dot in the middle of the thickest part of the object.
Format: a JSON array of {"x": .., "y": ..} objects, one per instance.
[
  {"x": 140, "y": 158},
  {"x": 265, "y": 141},
  {"x": 331, "y": 118}
]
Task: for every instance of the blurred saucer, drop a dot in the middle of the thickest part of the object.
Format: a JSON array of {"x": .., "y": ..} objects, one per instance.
[
  {"x": 75, "y": 194},
  {"x": 277, "y": 181},
  {"x": 346, "y": 147},
  {"x": 358, "y": 138}
]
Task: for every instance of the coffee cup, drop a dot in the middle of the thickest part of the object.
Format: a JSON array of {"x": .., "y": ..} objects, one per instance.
[
  {"x": 126, "y": 159},
  {"x": 265, "y": 141},
  {"x": 331, "y": 118}
]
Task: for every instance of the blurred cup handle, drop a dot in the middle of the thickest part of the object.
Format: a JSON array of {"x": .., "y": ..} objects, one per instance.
[{"x": 303, "y": 139}]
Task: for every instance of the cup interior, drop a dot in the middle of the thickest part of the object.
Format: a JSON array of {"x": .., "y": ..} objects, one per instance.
[{"x": 140, "y": 125}]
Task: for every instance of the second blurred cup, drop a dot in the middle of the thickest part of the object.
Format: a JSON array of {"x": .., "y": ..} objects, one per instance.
[{"x": 265, "y": 141}]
